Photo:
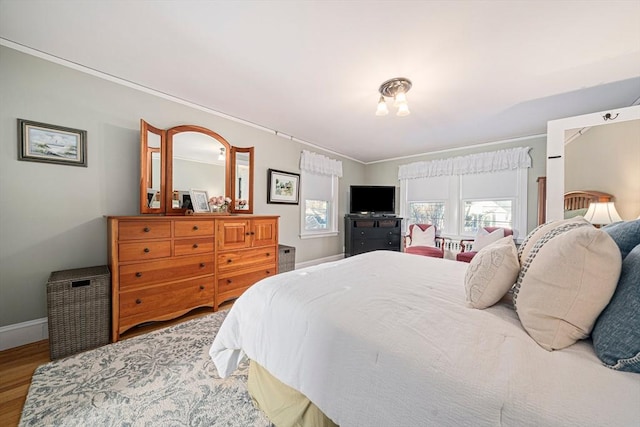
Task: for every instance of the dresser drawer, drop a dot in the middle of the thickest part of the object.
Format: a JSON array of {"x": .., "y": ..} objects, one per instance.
[
  {"x": 164, "y": 301},
  {"x": 137, "y": 230},
  {"x": 231, "y": 260},
  {"x": 139, "y": 251},
  {"x": 193, "y": 228},
  {"x": 140, "y": 274},
  {"x": 231, "y": 282},
  {"x": 193, "y": 246}
]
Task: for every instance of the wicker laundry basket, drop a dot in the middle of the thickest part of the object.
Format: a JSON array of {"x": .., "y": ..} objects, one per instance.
[
  {"x": 79, "y": 307},
  {"x": 286, "y": 258}
]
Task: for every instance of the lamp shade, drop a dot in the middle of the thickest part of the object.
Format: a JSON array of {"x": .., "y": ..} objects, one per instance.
[
  {"x": 382, "y": 107},
  {"x": 602, "y": 213}
]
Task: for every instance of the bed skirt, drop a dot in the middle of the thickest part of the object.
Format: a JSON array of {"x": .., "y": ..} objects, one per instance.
[{"x": 283, "y": 405}]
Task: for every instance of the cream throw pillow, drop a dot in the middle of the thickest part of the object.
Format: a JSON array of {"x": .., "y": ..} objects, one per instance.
[
  {"x": 423, "y": 238},
  {"x": 566, "y": 279},
  {"x": 484, "y": 238},
  {"x": 491, "y": 273}
]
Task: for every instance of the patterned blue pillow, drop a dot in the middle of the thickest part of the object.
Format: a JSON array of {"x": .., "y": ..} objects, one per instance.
[
  {"x": 616, "y": 335},
  {"x": 626, "y": 234}
]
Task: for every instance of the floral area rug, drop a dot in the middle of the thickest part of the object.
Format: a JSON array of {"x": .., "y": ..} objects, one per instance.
[{"x": 163, "y": 378}]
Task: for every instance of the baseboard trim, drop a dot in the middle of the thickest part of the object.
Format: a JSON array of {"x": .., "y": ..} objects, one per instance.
[
  {"x": 319, "y": 261},
  {"x": 23, "y": 333},
  {"x": 37, "y": 330}
]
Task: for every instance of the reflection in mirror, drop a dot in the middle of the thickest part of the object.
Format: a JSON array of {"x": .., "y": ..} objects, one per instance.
[
  {"x": 198, "y": 160},
  {"x": 606, "y": 158},
  {"x": 242, "y": 179},
  {"x": 199, "y": 163}
]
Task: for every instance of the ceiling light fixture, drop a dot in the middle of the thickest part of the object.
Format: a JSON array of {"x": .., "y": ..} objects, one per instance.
[{"x": 397, "y": 89}]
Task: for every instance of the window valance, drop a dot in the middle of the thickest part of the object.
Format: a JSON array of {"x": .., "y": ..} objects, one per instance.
[
  {"x": 492, "y": 161},
  {"x": 319, "y": 164}
]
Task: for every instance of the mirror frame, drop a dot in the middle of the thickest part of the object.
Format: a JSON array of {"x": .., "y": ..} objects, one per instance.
[
  {"x": 234, "y": 173},
  {"x": 169, "y": 209},
  {"x": 555, "y": 150},
  {"x": 145, "y": 167}
]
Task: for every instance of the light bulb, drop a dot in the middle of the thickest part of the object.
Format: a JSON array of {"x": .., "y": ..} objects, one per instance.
[
  {"x": 400, "y": 98},
  {"x": 382, "y": 107},
  {"x": 403, "y": 110}
]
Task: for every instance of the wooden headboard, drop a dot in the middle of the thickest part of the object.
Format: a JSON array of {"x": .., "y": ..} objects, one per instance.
[
  {"x": 572, "y": 200},
  {"x": 582, "y": 199}
]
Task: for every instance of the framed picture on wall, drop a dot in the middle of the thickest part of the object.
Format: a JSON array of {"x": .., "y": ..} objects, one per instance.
[
  {"x": 199, "y": 200},
  {"x": 41, "y": 142},
  {"x": 284, "y": 187}
]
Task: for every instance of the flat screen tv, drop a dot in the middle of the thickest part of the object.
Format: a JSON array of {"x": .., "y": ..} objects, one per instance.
[{"x": 372, "y": 199}]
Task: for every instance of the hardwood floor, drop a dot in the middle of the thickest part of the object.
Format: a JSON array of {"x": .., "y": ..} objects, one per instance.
[{"x": 18, "y": 364}]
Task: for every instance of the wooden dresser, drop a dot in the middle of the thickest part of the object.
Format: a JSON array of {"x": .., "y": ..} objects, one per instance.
[{"x": 164, "y": 266}]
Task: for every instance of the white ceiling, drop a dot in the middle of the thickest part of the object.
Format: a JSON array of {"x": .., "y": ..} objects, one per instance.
[{"x": 482, "y": 70}]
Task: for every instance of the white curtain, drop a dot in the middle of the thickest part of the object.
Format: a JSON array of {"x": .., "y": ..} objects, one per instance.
[
  {"x": 492, "y": 161},
  {"x": 319, "y": 164}
]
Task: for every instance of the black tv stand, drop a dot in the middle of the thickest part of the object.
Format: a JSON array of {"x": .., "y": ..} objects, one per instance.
[
  {"x": 371, "y": 215},
  {"x": 366, "y": 233}
]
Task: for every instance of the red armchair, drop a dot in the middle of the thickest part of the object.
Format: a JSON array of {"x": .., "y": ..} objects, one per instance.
[
  {"x": 422, "y": 240},
  {"x": 466, "y": 255}
]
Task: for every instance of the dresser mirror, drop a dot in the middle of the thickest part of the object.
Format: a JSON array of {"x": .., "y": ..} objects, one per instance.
[
  {"x": 152, "y": 169},
  {"x": 188, "y": 157},
  {"x": 242, "y": 179},
  {"x": 198, "y": 159},
  {"x": 557, "y": 133}
]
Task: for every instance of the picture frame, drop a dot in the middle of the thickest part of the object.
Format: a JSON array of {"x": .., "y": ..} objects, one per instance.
[
  {"x": 199, "y": 200},
  {"x": 283, "y": 187},
  {"x": 43, "y": 142}
]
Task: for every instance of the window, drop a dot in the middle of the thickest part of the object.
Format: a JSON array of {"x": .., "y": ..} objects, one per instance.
[
  {"x": 459, "y": 195},
  {"x": 486, "y": 213},
  {"x": 316, "y": 214},
  {"x": 319, "y": 195},
  {"x": 427, "y": 213}
]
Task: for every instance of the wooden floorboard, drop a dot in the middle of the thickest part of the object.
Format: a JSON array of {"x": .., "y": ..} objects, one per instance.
[{"x": 18, "y": 364}]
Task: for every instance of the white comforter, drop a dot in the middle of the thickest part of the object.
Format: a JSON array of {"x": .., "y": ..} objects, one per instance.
[{"x": 385, "y": 339}]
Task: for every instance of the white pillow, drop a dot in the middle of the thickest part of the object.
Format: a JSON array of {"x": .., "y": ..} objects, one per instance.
[
  {"x": 423, "y": 238},
  {"x": 491, "y": 273},
  {"x": 567, "y": 278},
  {"x": 484, "y": 238}
]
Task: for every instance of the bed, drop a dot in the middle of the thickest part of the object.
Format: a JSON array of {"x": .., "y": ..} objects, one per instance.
[{"x": 386, "y": 339}]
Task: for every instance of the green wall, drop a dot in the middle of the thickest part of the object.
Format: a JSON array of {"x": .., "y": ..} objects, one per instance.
[{"x": 52, "y": 217}]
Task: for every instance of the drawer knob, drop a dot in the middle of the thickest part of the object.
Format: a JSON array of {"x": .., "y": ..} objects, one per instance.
[
  {"x": 247, "y": 233},
  {"x": 195, "y": 246},
  {"x": 195, "y": 228},
  {"x": 202, "y": 265},
  {"x": 138, "y": 274},
  {"x": 138, "y": 301},
  {"x": 229, "y": 260},
  {"x": 201, "y": 287},
  {"x": 229, "y": 280},
  {"x": 268, "y": 272},
  {"x": 147, "y": 250},
  {"x": 268, "y": 254},
  {"x": 252, "y": 233},
  {"x": 146, "y": 229}
]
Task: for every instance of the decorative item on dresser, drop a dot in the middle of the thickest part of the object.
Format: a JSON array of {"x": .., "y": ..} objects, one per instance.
[
  {"x": 365, "y": 234},
  {"x": 165, "y": 266}
]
